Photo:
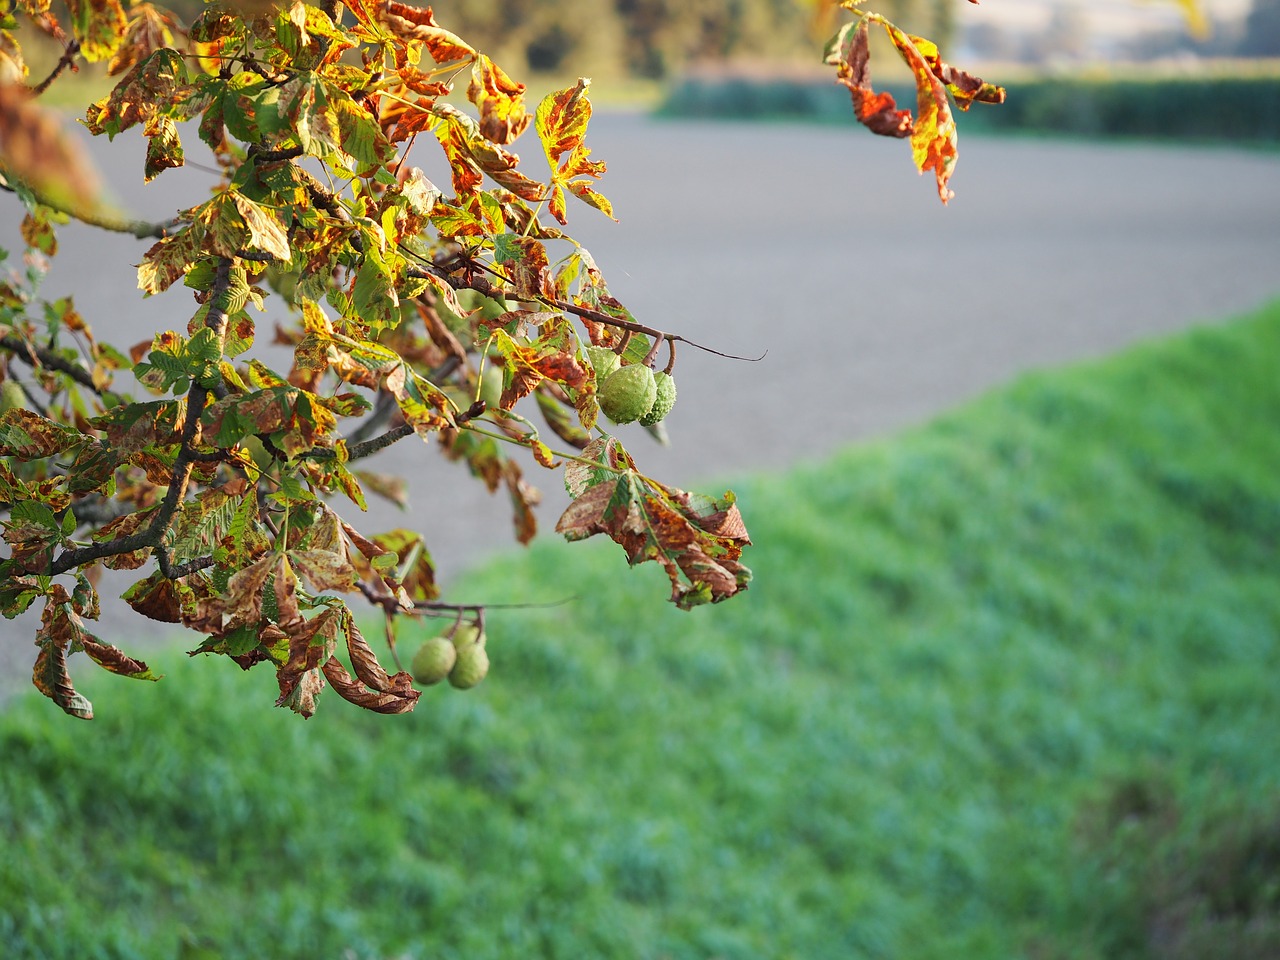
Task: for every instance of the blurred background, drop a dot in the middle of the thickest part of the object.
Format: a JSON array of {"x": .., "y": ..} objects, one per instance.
[{"x": 1005, "y": 684}]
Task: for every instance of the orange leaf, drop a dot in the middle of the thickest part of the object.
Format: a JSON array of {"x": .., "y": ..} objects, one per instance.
[
  {"x": 413, "y": 23},
  {"x": 500, "y": 100},
  {"x": 933, "y": 138}
]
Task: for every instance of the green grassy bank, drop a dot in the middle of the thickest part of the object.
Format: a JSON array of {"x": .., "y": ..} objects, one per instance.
[{"x": 1004, "y": 686}]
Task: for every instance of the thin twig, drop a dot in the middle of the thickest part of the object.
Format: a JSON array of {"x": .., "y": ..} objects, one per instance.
[
  {"x": 67, "y": 60},
  {"x": 40, "y": 357}
]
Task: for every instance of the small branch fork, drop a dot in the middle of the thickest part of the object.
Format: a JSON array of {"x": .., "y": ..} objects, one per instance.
[
  {"x": 68, "y": 59},
  {"x": 35, "y": 356},
  {"x": 155, "y": 532}
]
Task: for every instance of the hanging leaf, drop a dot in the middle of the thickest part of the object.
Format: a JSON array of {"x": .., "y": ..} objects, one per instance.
[
  {"x": 99, "y": 25},
  {"x": 878, "y": 112},
  {"x": 933, "y": 137},
  {"x": 561, "y": 122},
  {"x": 965, "y": 88},
  {"x": 413, "y": 23},
  {"x": 500, "y": 101},
  {"x": 697, "y": 540}
]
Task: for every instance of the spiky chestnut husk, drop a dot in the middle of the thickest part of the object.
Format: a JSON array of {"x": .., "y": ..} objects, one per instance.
[
  {"x": 11, "y": 396},
  {"x": 604, "y": 361},
  {"x": 663, "y": 402},
  {"x": 627, "y": 394},
  {"x": 433, "y": 661},
  {"x": 471, "y": 667}
]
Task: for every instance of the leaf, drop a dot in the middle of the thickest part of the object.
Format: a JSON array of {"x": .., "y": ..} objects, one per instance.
[
  {"x": 561, "y": 122},
  {"x": 412, "y": 23},
  {"x": 36, "y": 150},
  {"x": 500, "y": 101},
  {"x": 154, "y": 85},
  {"x": 150, "y": 29},
  {"x": 114, "y": 660},
  {"x": 168, "y": 260},
  {"x": 311, "y": 645},
  {"x": 933, "y": 136},
  {"x": 393, "y": 701},
  {"x": 552, "y": 356},
  {"x": 876, "y": 111},
  {"x": 697, "y": 540},
  {"x": 51, "y": 678},
  {"x": 25, "y": 435},
  {"x": 964, "y": 87},
  {"x": 266, "y": 232},
  {"x": 38, "y": 233},
  {"x": 99, "y": 25},
  {"x": 164, "y": 148},
  {"x": 324, "y": 569}
]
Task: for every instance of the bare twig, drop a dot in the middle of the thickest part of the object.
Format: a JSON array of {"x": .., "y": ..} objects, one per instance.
[
  {"x": 67, "y": 59},
  {"x": 35, "y": 356}
]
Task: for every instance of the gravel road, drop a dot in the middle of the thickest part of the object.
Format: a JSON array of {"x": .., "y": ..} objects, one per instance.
[{"x": 877, "y": 306}]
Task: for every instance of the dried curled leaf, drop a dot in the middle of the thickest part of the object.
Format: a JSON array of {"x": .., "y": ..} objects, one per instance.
[
  {"x": 414, "y": 23},
  {"x": 500, "y": 101},
  {"x": 878, "y": 112},
  {"x": 697, "y": 539}
]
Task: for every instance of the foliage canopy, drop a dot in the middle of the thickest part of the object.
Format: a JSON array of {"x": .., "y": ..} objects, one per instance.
[{"x": 406, "y": 295}]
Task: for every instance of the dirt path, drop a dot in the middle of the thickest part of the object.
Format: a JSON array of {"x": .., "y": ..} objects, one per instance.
[{"x": 877, "y": 306}]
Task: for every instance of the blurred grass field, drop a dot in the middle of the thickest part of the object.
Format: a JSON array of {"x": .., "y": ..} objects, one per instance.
[{"x": 1004, "y": 686}]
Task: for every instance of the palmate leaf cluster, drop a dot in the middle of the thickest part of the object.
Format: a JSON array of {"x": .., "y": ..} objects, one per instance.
[{"x": 223, "y": 481}]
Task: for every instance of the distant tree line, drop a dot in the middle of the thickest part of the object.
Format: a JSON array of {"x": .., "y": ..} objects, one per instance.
[{"x": 655, "y": 38}]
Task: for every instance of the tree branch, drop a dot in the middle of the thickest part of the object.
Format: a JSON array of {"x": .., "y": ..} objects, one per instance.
[
  {"x": 67, "y": 60},
  {"x": 41, "y": 357},
  {"x": 180, "y": 477}
]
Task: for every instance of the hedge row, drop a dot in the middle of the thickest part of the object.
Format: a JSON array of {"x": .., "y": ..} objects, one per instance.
[{"x": 1216, "y": 108}]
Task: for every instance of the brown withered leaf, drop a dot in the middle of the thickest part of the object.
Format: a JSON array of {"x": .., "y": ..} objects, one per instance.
[
  {"x": 878, "y": 112},
  {"x": 698, "y": 540},
  {"x": 552, "y": 356},
  {"x": 25, "y": 435},
  {"x": 528, "y": 271},
  {"x": 311, "y": 643},
  {"x": 524, "y": 497},
  {"x": 150, "y": 28},
  {"x": 500, "y": 100},
  {"x": 369, "y": 671},
  {"x": 324, "y": 569},
  {"x": 118, "y": 529},
  {"x": 387, "y": 702},
  {"x": 965, "y": 88},
  {"x": 388, "y": 486},
  {"x": 300, "y": 695},
  {"x": 933, "y": 136},
  {"x": 156, "y": 597},
  {"x": 50, "y": 677},
  {"x": 115, "y": 660},
  {"x": 417, "y": 24}
]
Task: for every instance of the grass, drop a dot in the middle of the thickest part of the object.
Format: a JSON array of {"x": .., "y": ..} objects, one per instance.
[{"x": 1004, "y": 686}]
